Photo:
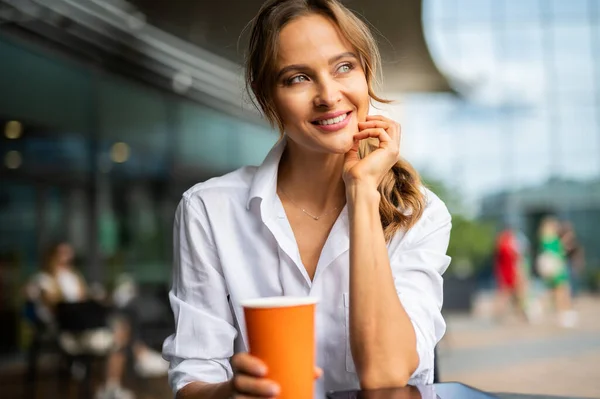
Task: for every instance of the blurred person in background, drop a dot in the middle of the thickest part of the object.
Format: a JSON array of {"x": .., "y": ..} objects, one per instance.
[
  {"x": 85, "y": 323},
  {"x": 575, "y": 255},
  {"x": 511, "y": 269},
  {"x": 552, "y": 267},
  {"x": 332, "y": 212}
]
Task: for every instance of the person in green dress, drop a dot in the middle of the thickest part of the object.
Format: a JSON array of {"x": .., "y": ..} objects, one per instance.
[{"x": 552, "y": 267}]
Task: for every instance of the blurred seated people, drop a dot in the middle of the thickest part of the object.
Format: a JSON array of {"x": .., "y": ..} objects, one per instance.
[
  {"x": 512, "y": 275},
  {"x": 85, "y": 325},
  {"x": 575, "y": 256},
  {"x": 551, "y": 264}
]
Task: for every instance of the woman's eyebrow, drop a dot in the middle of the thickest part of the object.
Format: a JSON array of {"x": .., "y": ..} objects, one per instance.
[
  {"x": 348, "y": 54},
  {"x": 295, "y": 67}
]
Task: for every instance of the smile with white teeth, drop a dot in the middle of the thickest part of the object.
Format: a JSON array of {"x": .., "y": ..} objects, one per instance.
[{"x": 332, "y": 121}]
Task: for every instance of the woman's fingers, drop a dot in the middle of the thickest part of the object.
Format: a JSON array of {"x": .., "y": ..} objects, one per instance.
[
  {"x": 392, "y": 127},
  {"x": 255, "y": 387},
  {"x": 374, "y": 123},
  {"x": 248, "y": 364},
  {"x": 249, "y": 380},
  {"x": 378, "y": 133},
  {"x": 318, "y": 372}
]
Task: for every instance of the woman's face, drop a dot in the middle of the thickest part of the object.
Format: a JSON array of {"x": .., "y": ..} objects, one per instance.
[
  {"x": 321, "y": 90},
  {"x": 64, "y": 254}
]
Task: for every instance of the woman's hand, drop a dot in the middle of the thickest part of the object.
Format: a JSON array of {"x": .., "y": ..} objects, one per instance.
[
  {"x": 249, "y": 379},
  {"x": 372, "y": 168}
]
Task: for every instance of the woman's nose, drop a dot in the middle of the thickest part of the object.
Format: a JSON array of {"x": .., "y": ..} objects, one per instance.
[{"x": 328, "y": 94}]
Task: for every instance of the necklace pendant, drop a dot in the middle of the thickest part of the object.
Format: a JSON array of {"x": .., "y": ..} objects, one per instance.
[{"x": 316, "y": 218}]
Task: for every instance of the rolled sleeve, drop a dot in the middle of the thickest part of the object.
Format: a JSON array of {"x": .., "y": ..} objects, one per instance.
[
  {"x": 202, "y": 344},
  {"x": 418, "y": 264}
]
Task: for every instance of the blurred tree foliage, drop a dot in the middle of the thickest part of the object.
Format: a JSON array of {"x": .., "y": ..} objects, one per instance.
[{"x": 471, "y": 241}]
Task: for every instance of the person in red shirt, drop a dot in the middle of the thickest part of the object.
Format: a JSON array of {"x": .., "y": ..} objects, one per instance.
[{"x": 509, "y": 276}]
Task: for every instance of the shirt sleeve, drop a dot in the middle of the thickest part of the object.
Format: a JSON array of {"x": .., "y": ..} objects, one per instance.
[
  {"x": 418, "y": 263},
  {"x": 202, "y": 344}
]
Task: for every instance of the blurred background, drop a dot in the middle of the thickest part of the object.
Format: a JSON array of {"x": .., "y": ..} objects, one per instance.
[{"x": 111, "y": 109}]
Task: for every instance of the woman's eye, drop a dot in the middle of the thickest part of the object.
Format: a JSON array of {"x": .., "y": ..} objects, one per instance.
[
  {"x": 345, "y": 68},
  {"x": 297, "y": 79}
]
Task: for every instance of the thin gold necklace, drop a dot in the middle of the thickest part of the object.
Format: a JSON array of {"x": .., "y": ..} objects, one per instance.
[{"x": 314, "y": 217}]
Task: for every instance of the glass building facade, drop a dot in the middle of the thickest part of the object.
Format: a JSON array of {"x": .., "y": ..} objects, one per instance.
[
  {"x": 521, "y": 138},
  {"x": 101, "y": 161}
]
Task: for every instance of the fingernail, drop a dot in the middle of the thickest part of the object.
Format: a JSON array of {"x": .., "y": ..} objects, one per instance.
[
  {"x": 274, "y": 390},
  {"x": 262, "y": 370}
]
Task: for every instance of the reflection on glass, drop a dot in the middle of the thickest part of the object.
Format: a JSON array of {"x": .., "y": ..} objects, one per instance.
[
  {"x": 13, "y": 159},
  {"x": 408, "y": 392},
  {"x": 13, "y": 130},
  {"x": 119, "y": 152}
]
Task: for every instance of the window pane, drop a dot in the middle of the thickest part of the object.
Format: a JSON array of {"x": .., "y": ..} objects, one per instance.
[
  {"x": 569, "y": 10},
  {"x": 532, "y": 168},
  {"x": 578, "y": 131},
  {"x": 440, "y": 10},
  {"x": 474, "y": 52},
  {"x": 572, "y": 57},
  {"x": 519, "y": 11},
  {"x": 253, "y": 144},
  {"x": 206, "y": 138},
  {"x": 485, "y": 177},
  {"x": 443, "y": 45},
  {"x": 531, "y": 134},
  {"x": 581, "y": 165},
  {"x": 475, "y": 10},
  {"x": 521, "y": 43}
]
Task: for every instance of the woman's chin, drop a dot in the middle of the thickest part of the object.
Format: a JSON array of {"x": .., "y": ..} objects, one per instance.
[{"x": 341, "y": 144}]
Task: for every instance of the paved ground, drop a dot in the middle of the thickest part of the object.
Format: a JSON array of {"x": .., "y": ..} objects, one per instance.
[{"x": 516, "y": 357}]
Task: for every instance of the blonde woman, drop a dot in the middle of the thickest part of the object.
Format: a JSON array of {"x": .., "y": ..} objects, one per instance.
[{"x": 333, "y": 212}]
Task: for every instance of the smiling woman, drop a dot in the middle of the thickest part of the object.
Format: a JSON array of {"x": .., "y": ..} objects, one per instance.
[{"x": 333, "y": 212}]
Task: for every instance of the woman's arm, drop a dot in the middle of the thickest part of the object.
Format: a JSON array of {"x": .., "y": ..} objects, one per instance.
[
  {"x": 200, "y": 348},
  {"x": 396, "y": 292},
  {"x": 201, "y": 390},
  {"x": 382, "y": 337},
  {"x": 201, "y": 353},
  {"x": 395, "y": 318}
]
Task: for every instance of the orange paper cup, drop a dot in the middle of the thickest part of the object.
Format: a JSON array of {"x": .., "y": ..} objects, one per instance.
[{"x": 281, "y": 333}]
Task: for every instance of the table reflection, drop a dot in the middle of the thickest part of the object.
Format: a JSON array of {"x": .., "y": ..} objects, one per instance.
[{"x": 408, "y": 392}]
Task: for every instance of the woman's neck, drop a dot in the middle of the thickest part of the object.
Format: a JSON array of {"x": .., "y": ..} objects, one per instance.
[{"x": 312, "y": 179}]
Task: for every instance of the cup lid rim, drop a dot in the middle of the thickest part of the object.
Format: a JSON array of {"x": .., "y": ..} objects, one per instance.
[{"x": 278, "y": 302}]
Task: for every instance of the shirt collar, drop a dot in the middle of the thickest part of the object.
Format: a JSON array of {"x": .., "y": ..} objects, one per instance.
[{"x": 264, "y": 183}]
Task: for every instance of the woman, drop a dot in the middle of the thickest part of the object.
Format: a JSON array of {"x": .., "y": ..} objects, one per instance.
[
  {"x": 552, "y": 267},
  {"x": 327, "y": 214},
  {"x": 62, "y": 297}
]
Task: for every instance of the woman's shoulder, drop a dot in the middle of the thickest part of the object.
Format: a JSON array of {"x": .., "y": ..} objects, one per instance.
[
  {"x": 233, "y": 184},
  {"x": 435, "y": 216},
  {"x": 42, "y": 280},
  {"x": 435, "y": 208}
]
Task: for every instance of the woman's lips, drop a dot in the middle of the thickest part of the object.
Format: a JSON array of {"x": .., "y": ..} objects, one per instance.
[{"x": 334, "y": 127}]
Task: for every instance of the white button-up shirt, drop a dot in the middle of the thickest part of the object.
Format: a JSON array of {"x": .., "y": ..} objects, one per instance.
[{"x": 232, "y": 241}]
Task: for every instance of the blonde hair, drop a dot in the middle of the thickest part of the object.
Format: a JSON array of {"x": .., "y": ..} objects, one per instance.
[
  {"x": 549, "y": 227},
  {"x": 402, "y": 201},
  {"x": 50, "y": 256}
]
